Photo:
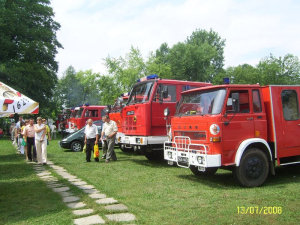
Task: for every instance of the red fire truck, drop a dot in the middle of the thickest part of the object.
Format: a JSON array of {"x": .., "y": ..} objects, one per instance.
[
  {"x": 142, "y": 118},
  {"x": 244, "y": 128},
  {"x": 81, "y": 114},
  {"x": 116, "y": 115}
]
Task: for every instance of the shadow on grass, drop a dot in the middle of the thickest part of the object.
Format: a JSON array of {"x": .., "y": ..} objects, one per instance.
[
  {"x": 284, "y": 175},
  {"x": 21, "y": 201},
  {"x": 148, "y": 163}
]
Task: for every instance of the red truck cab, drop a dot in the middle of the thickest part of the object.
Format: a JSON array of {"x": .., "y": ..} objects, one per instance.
[
  {"x": 143, "y": 122},
  {"x": 115, "y": 114},
  {"x": 245, "y": 128},
  {"x": 81, "y": 114}
]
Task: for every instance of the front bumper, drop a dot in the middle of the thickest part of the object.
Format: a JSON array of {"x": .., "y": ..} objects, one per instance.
[
  {"x": 63, "y": 144},
  {"x": 143, "y": 140},
  {"x": 185, "y": 154}
]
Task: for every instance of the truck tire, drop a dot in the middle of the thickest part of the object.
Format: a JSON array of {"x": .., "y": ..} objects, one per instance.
[
  {"x": 154, "y": 155},
  {"x": 76, "y": 146},
  {"x": 254, "y": 168},
  {"x": 210, "y": 171}
]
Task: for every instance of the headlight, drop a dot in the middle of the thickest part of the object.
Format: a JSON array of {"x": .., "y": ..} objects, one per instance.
[
  {"x": 214, "y": 129},
  {"x": 166, "y": 111},
  {"x": 200, "y": 159},
  {"x": 170, "y": 155}
]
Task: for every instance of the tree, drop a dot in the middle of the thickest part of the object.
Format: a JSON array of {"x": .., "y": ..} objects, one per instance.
[
  {"x": 157, "y": 62},
  {"x": 199, "y": 58},
  {"x": 241, "y": 74},
  {"x": 28, "y": 46},
  {"x": 282, "y": 70},
  {"x": 89, "y": 91},
  {"x": 125, "y": 71}
]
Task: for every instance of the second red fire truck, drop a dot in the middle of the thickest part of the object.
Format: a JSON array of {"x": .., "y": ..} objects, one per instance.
[{"x": 143, "y": 122}]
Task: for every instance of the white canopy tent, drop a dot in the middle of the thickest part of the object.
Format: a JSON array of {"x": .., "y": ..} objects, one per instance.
[{"x": 12, "y": 101}]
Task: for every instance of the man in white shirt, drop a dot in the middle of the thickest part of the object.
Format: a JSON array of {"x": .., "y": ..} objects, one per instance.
[
  {"x": 91, "y": 139},
  {"x": 108, "y": 135}
]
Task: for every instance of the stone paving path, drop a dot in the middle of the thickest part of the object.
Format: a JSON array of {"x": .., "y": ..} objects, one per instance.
[{"x": 117, "y": 212}]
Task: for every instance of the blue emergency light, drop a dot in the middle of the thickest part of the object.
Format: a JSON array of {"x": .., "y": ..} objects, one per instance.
[
  {"x": 226, "y": 80},
  {"x": 149, "y": 77}
]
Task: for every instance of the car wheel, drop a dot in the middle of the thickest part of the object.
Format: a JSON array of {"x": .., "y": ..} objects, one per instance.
[
  {"x": 76, "y": 146},
  {"x": 253, "y": 169}
]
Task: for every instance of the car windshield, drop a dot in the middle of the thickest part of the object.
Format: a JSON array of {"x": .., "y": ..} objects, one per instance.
[
  {"x": 201, "y": 103},
  {"x": 140, "y": 93}
]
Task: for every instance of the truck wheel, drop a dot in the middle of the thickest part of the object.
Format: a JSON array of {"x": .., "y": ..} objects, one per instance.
[
  {"x": 254, "y": 168},
  {"x": 76, "y": 146},
  {"x": 209, "y": 171},
  {"x": 154, "y": 155}
]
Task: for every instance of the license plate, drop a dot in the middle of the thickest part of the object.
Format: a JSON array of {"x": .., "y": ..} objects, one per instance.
[{"x": 183, "y": 159}]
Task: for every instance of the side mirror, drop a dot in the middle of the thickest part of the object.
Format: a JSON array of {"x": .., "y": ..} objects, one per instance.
[
  {"x": 107, "y": 109},
  {"x": 235, "y": 102},
  {"x": 166, "y": 112},
  {"x": 165, "y": 92}
]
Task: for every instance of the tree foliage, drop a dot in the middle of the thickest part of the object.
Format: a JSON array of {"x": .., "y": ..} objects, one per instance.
[
  {"x": 199, "y": 58},
  {"x": 28, "y": 46}
]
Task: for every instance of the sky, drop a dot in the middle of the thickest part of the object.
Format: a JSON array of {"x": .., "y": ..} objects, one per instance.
[{"x": 91, "y": 30}]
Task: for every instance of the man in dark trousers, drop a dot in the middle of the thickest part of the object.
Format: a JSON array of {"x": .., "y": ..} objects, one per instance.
[
  {"x": 29, "y": 134},
  {"x": 108, "y": 136},
  {"x": 91, "y": 139}
]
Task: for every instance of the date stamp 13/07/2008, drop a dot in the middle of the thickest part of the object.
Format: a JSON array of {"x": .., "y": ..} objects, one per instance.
[{"x": 260, "y": 210}]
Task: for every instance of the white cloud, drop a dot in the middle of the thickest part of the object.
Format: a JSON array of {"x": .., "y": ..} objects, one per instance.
[{"x": 91, "y": 30}]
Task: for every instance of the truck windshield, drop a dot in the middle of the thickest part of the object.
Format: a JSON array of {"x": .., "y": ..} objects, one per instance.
[
  {"x": 140, "y": 93},
  {"x": 117, "y": 106},
  {"x": 79, "y": 113},
  {"x": 201, "y": 103}
]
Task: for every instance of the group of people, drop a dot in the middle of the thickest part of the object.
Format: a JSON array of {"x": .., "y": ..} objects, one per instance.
[
  {"x": 107, "y": 136},
  {"x": 32, "y": 139}
]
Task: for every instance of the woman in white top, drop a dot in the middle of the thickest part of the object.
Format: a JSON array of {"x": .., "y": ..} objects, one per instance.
[{"x": 40, "y": 141}]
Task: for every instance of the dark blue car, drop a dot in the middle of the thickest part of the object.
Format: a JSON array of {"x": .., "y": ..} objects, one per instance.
[{"x": 75, "y": 141}]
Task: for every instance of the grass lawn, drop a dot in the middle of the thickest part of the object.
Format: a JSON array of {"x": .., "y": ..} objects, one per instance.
[
  {"x": 24, "y": 198},
  {"x": 155, "y": 192}
]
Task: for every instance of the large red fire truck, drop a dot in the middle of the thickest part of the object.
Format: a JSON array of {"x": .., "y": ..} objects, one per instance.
[
  {"x": 116, "y": 115},
  {"x": 142, "y": 118},
  {"x": 245, "y": 128},
  {"x": 81, "y": 114}
]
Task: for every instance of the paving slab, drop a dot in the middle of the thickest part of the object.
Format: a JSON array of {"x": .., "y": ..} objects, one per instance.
[
  {"x": 65, "y": 193},
  {"x": 50, "y": 162},
  {"x": 46, "y": 176},
  {"x": 63, "y": 174},
  {"x": 116, "y": 207},
  {"x": 95, "y": 219},
  {"x": 61, "y": 189},
  {"x": 121, "y": 217},
  {"x": 76, "y": 205},
  {"x": 55, "y": 185},
  {"x": 45, "y": 173},
  {"x": 70, "y": 199},
  {"x": 90, "y": 191},
  {"x": 97, "y": 195},
  {"x": 86, "y": 187},
  {"x": 81, "y": 212},
  {"x": 75, "y": 179},
  {"x": 78, "y": 183},
  {"x": 54, "y": 179},
  {"x": 106, "y": 201},
  {"x": 56, "y": 167}
]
